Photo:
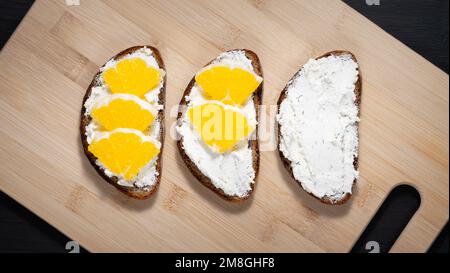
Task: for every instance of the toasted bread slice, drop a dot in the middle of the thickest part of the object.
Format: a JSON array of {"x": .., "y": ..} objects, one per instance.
[
  {"x": 288, "y": 164},
  {"x": 135, "y": 192},
  {"x": 252, "y": 143}
]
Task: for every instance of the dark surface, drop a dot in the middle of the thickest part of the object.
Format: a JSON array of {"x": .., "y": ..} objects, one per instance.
[
  {"x": 11, "y": 13},
  {"x": 420, "y": 24},
  {"x": 23, "y": 231}
]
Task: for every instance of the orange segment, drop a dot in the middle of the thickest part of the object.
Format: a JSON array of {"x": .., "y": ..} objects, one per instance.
[
  {"x": 230, "y": 86},
  {"x": 124, "y": 152},
  {"x": 124, "y": 113},
  {"x": 131, "y": 76},
  {"x": 221, "y": 128}
]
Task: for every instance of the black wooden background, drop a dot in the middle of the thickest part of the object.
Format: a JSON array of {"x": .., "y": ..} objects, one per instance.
[{"x": 420, "y": 24}]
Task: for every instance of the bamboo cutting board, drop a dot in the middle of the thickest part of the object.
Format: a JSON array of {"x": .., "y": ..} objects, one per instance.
[{"x": 50, "y": 60}]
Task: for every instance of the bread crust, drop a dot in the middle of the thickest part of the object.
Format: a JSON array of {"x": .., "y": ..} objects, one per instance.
[
  {"x": 287, "y": 162},
  {"x": 254, "y": 143},
  {"x": 135, "y": 192}
]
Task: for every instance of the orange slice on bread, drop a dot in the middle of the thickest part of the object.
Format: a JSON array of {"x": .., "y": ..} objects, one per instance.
[
  {"x": 231, "y": 86},
  {"x": 132, "y": 76},
  {"x": 220, "y": 126},
  {"x": 124, "y": 151},
  {"x": 123, "y": 111}
]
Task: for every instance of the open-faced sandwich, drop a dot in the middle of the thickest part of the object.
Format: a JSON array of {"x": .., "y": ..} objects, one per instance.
[
  {"x": 122, "y": 121},
  {"x": 318, "y": 117},
  {"x": 218, "y": 124}
]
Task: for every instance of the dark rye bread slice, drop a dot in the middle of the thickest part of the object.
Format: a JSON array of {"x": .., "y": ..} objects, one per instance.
[
  {"x": 135, "y": 192},
  {"x": 254, "y": 145},
  {"x": 287, "y": 162}
]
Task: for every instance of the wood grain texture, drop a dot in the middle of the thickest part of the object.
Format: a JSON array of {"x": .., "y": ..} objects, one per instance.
[{"x": 51, "y": 58}]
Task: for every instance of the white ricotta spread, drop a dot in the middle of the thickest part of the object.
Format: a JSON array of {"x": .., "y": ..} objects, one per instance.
[
  {"x": 231, "y": 172},
  {"x": 318, "y": 122},
  {"x": 101, "y": 94}
]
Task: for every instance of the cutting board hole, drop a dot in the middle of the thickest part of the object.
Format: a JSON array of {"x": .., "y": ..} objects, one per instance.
[{"x": 389, "y": 221}]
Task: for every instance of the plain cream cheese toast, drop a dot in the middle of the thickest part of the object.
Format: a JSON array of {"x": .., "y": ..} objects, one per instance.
[{"x": 318, "y": 121}]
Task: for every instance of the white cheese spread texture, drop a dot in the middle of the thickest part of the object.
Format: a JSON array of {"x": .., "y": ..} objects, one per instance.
[{"x": 319, "y": 126}]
